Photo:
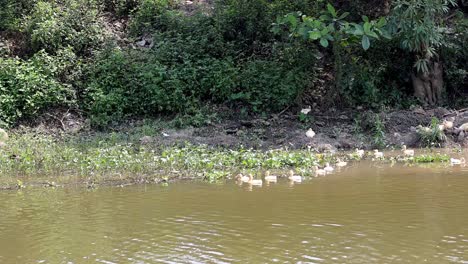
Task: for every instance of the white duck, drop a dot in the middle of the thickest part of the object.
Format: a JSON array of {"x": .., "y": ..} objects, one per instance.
[
  {"x": 310, "y": 133},
  {"x": 254, "y": 182},
  {"x": 360, "y": 153},
  {"x": 270, "y": 178},
  {"x": 328, "y": 168},
  {"x": 448, "y": 124},
  {"x": 319, "y": 172},
  {"x": 457, "y": 161},
  {"x": 341, "y": 163},
  {"x": 294, "y": 178},
  {"x": 378, "y": 154},
  {"x": 242, "y": 178},
  {"x": 407, "y": 152}
]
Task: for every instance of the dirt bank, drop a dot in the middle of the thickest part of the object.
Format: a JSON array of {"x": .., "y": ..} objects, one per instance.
[{"x": 335, "y": 130}]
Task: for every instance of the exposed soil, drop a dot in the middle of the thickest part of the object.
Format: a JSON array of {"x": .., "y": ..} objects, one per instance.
[{"x": 335, "y": 130}]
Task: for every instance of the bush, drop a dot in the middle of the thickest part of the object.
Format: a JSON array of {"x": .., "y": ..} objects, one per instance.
[
  {"x": 11, "y": 12},
  {"x": 27, "y": 87},
  {"x": 455, "y": 59},
  {"x": 74, "y": 23},
  {"x": 270, "y": 86},
  {"x": 151, "y": 15},
  {"x": 121, "y": 8},
  {"x": 378, "y": 77}
]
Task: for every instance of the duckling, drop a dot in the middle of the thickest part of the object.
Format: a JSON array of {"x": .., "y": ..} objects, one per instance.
[
  {"x": 3, "y": 135},
  {"x": 242, "y": 178},
  {"x": 360, "y": 152},
  {"x": 252, "y": 181},
  {"x": 292, "y": 177},
  {"x": 328, "y": 168},
  {"x": 310, "y": 133},
  {"x": 448, "y": 124},
  {"x": 319, "y": 172},
  {"x": 270, "y": 178},
  {"x": 457, "y": 161},
  {"x": 340, "y": 163},
  {"x": 407, "y": 152},
  {"x": 377, "y": 154}
]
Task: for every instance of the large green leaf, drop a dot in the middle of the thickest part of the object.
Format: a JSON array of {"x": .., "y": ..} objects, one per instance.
[
  {"x": 331, "y": 10},
  {"x": 365, "y": 42},
  {"x": 314, "y": 35},
  {"x": 344, "y": 15},
  {"x": 367, "y": 27},
  {"x": 382, "y": 22},
  {"x": 292, "y": 19},
  {"x": 324, "y": 42}
]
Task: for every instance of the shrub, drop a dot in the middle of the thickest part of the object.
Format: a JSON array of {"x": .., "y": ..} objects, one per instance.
[
  {"x": 432, "y": 135},
  {"x": 120, "y": 8},
  {"x": 269, "y": 86},
  {"x": 27, "y": 87},
  {"x": 378, "y": 77},
  {"x": 151, "y": 15},
  {"x": 455, "y": 58},
  {"x": 73, "y": 23},
  {"x": 11, "y": 12}
]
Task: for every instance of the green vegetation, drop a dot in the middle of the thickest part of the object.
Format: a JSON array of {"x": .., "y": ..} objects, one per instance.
[
  {"x": 429, "y": 158},
  {"x": 119, "y": 158},
  {"x": 119, "y": 59},
  {"x": 431, "y": 136}
]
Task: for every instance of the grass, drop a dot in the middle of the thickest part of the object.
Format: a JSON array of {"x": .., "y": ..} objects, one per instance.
[
  {"x": 32, "y": 158},
  {"x": 113, "y": 157}
]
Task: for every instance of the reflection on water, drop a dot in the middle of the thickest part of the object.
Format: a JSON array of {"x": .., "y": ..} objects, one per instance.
[{"x": 363, "y": 214}]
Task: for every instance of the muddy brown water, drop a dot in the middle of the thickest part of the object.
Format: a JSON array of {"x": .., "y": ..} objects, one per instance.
[{"x": 366, "y": 213}]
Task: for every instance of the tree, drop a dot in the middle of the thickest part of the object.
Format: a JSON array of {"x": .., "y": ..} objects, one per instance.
[
  {"x": 331, "y": 27},
  {"x": 420, "y": 26}
]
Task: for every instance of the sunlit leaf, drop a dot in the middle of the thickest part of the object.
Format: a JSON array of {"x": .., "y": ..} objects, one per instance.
[
  {"x": 324, "y": 42},
  {"x": 331, "y": 10},
  {"x": 314, "y": 35},
  {"x": 365, "y": 42}
]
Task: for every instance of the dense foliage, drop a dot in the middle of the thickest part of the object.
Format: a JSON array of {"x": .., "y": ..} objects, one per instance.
[{"x": 115, "y": 59}]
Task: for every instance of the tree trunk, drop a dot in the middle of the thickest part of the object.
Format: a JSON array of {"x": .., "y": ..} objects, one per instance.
[{"x": 429, "y": 86}]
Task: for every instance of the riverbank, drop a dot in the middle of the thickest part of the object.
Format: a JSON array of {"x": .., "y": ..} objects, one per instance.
[{"x": 154, "y": 151}]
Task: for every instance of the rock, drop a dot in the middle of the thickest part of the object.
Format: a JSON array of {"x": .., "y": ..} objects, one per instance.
[
  {"x": 461, "y": 136},
  {"x": 419, "y": 110},
  {"x": 440, "y": 112},
  {"x": 325, "y": 148},
  {"x": 410, "y": 139},
  {"x": 146, "y": 140},
  {"x": 141, "y": 43}
]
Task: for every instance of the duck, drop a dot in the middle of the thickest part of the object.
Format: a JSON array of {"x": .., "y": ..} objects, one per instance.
[
  {"x": 310, "y": 133},
  {"x": 252, "y": 181},
  {"x": 448, "y": 124},
  {"x": 407, "y": 152},
  {"x": 360, "y": 152},
  {"x": 242, "y": 178},
  {"x": 457, "y": 161},
  {"x": 3, "y": 135},
  {"x": 292, "y": 177},
  {"x": 319, "y": 171},
  {"x": 270, "y": 178},
  {"x": 377, "y": 154},
  {"x": 328, "y": 168},
  {"x": 341, "y": 163}
]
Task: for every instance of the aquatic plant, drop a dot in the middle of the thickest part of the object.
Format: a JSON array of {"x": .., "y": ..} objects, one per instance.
[{"x": 428, "y": 158}]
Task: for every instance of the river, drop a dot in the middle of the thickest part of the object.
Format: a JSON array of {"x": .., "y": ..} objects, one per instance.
[{"x": 366, "y": 213}]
